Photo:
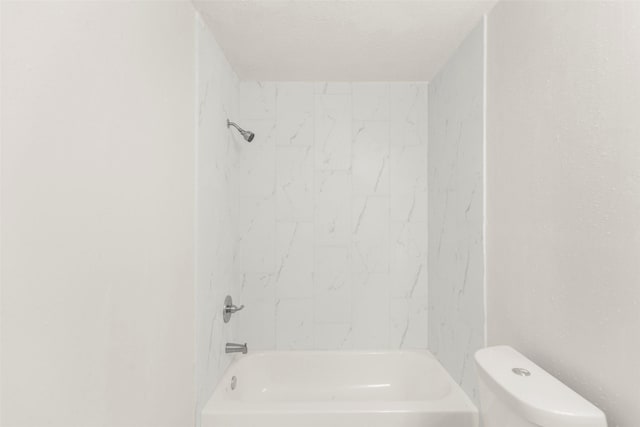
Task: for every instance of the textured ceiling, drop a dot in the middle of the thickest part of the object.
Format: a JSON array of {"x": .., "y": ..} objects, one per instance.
[{"x": 340, "y": 40}]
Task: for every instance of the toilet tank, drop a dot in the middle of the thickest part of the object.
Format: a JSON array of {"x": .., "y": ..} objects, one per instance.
[{"x": 515, "y": 392}]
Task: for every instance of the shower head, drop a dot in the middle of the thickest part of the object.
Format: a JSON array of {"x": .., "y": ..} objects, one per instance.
[{"x": 246, "y": 134}]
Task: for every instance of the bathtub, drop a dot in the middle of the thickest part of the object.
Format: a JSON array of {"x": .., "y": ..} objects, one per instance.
[{"x": 338, "y": 389}]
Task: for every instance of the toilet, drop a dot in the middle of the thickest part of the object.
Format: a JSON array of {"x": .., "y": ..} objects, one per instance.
[{"x": 515, "y": 392}]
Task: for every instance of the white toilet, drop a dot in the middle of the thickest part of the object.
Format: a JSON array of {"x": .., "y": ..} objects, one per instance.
[{"x": 515, "y": 392}]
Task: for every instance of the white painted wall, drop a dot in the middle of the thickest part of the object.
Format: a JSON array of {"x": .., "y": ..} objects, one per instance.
[
  {"x": 333, "y": 231},
  {"x": 97, "y": 214},
  {"x": 217, "y": 211},
  {"x": 456, "y": 258},
  {"x": 563, "y": 194}
]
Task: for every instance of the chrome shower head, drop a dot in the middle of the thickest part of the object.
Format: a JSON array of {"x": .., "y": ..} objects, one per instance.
[{"x": 246, "y": 134}]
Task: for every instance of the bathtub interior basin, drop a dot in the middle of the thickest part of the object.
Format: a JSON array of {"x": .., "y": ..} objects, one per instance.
[{"x": 341, "y": 388}]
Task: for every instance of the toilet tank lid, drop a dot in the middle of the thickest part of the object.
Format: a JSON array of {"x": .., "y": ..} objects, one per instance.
[{"x": 534, "y": 393}]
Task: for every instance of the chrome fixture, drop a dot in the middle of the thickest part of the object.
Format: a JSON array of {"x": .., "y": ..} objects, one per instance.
[
  {"x": 246, "y": 134},
  {"x": 229, "y": 309},
  {"x": 521, "y": 371},
  {"x": 235, "y": 348}
]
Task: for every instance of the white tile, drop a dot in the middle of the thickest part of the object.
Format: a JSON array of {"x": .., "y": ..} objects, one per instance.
[
  {"x": 331, "y": 259},
  {"x": 409, "y": 169},
  {"x": 295, "y": 114},
  {"x": 333, "y": 88},
  {"x": 332, "y": 284},
  {"x": 257, "y": 171},
  {"x": 370, "y": 101},
  {"x": 332, "y": 296},
  {"x": 408, "y": 113},
  {"x": 371, "y": 158},
  {"x": 294, "y": 183},
  {"x": 257, "y": 100},
  {"x": 408, "y": 323},
  {"x": 294, "y": 320},
  {"x": 409, "y": 207},
  {"x": 332, "y": 132},
  {"x": 333, "y": 336},
  {"x": 256, "y": 166},
  {"x": 370, "y": 238},
  {"x": 255, "y": 285},
  {"x": 294, "y": 258},
  {"x": 408, "y": 176},
  {"x": 456, "y": 309},
  {"x": 256, "y": 227},
  {"x": 331, "y": 214},
  {"x": 371, "y": 323},
  {"x": 366, "y": 285},
  {"x": 256, "y": 324},
  {"x": 409, "y": 259},
  {"x": 332, "y": 207}
]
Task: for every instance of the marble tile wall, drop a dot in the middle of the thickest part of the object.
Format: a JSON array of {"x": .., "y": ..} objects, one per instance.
[
  {"x": 456, "y": 259},
  {"x": 217, "y": 211},
  {"x": 332, "y": 216}
]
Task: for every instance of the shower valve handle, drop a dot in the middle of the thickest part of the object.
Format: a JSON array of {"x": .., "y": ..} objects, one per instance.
[
  {"x": 232, "y": 308},
  {"x": 229, "y": 308}
]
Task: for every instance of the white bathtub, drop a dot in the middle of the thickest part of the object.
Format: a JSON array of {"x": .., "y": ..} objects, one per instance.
[{"x": 338, "y": 389}]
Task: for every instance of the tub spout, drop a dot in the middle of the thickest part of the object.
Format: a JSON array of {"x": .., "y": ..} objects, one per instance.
[{"x": 235, "y": 348}]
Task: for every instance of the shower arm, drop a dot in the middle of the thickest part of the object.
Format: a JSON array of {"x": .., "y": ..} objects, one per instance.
[{"x": 230, "y": 123}]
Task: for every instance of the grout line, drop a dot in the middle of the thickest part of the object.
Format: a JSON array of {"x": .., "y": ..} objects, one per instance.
[
  {"x": 350, "y": 246},
  {"x": 484, "y": 174},
  {"x": 389, "y": 341},
  {"x": 276, "y": 297},
  {"x": 313, "y": 206},
  {"x": 196, "y": 139}
]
